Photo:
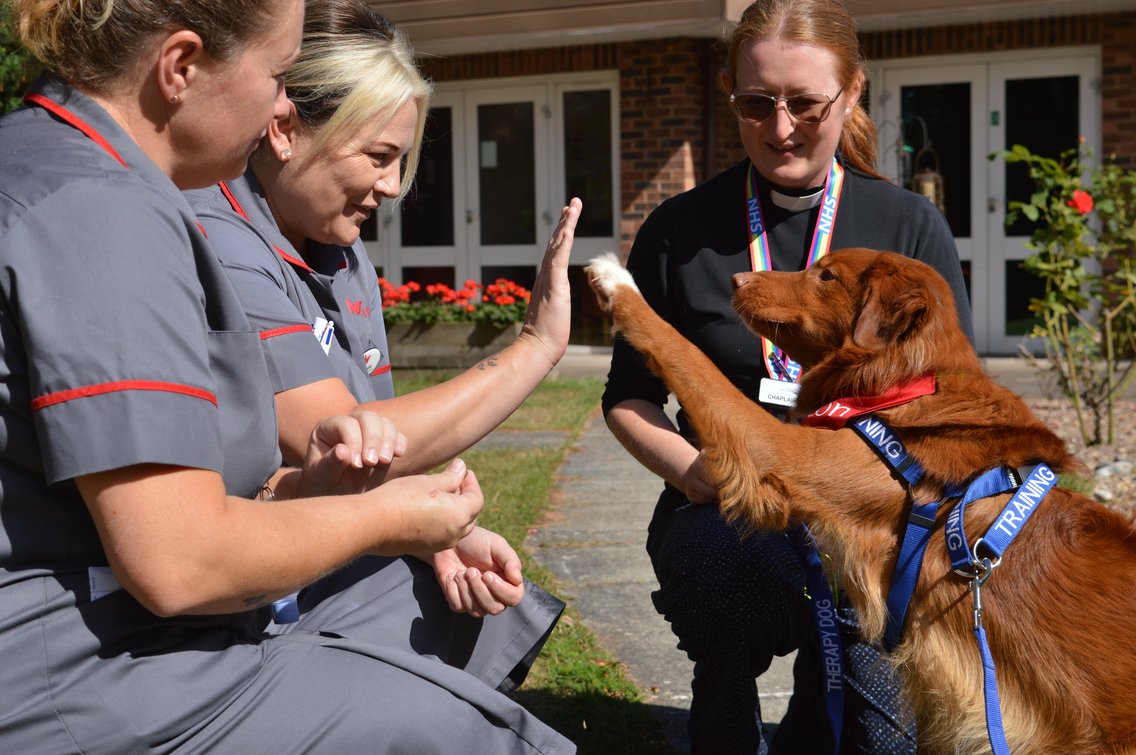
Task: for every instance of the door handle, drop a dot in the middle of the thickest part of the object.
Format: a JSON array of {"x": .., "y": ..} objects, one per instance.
[
  {"x": 469, "y": 217},
  {"x": 991, "y": 204}
]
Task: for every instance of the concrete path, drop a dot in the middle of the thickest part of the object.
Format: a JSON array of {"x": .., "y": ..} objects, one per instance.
[{"x": 594, "y": 544}]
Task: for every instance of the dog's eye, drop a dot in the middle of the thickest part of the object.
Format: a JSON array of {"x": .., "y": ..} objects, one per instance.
[{"x": 827, "y": 275}]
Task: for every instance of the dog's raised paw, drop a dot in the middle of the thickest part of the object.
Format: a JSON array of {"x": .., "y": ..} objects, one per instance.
[{"x": 606, "y": 274}]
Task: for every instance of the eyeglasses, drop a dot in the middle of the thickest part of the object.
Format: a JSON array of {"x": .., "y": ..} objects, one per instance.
[{"x": 806, "y": 108}]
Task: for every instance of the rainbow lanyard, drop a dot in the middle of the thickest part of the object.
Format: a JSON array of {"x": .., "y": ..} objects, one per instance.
[{"x": 777, "y": 362}]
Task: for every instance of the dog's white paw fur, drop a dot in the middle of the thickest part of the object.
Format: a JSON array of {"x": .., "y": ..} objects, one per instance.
[{"x": 607, "y": 274}]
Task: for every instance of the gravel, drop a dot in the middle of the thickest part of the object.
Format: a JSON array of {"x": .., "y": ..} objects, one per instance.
[{"x": 1113, "y": 464}]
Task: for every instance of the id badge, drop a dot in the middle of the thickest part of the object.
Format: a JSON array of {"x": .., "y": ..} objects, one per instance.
[
  {"x": 779, "y": 392},
  {"x": 101, "y": 581},
  {"x": 325, "y": 333}
]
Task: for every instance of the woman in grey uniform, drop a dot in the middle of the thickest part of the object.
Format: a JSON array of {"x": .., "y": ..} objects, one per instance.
[
  {"x": 136, "y": 566},
  {"x": 287, "y": 233}
]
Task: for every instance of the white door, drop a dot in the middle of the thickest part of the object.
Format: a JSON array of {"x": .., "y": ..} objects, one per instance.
[
  {"x": 1046, "y": 106},
  {"x": 499, "y": 160},
  {"x": 949, "y": 115},
  {"x": 426, "y": 240},
  {"x": 479, "y": 205},
  {"x": 507, "y": 164}
]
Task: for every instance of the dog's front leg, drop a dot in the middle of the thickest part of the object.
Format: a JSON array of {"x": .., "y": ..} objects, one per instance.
[
  {"x": 745, "y": 447},
  {"x": 769, "y": 474}
]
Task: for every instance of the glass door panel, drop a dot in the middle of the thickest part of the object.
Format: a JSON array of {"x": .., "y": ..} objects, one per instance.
[
  {"x": 1045, "y": 105},
  {"x": 932, "y": 120},
  {"x": 508, "y": 185},
  {"x": 426, "y": 234},
  {"x": 506, "y": 173},
  {"x": 428, "y": 211},
  {"x": 934, "y": 142}
]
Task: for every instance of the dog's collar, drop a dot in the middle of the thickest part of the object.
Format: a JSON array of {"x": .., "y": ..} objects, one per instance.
[{"x": 836, "y": 414}]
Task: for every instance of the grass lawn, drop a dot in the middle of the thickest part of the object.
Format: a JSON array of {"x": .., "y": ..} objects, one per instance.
[{"x": 575, "y": 686}]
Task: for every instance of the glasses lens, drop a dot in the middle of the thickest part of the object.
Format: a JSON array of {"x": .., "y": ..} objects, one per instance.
[
  {"x": 754, "y": 107},
  {"x": 809, "y": 108}
]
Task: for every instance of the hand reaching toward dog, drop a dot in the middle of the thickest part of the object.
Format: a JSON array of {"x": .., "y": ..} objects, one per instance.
[
  {"x": 481, "y": 575},
  {"x": 548, "y": 317},
  {"x": 696, "y": 484},
  {"x": 349, "y": 453}
]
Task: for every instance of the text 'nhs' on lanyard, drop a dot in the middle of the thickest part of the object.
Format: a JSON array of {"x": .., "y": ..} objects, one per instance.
[{"x": 782, "y": 385}]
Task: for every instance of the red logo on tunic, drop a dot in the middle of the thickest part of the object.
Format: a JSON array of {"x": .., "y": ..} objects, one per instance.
[{"x": 357, "y": 308}]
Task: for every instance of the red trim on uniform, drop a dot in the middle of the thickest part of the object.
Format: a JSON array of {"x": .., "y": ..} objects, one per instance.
[
  {"x": 120, "y": 385},
  {"x": 233, "y": 201},
  {"x": 292, "y": 260},
  {"x": 75, "y": 121},
  {"x": 382, "y": 370},
  {"x": 241, "y": 211},
  {"x": 203, "y": 231},
  {"x": 266, "y": 334}
]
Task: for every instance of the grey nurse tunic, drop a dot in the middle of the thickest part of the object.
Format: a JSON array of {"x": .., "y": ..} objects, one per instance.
[{"x": 122, "y": 343}]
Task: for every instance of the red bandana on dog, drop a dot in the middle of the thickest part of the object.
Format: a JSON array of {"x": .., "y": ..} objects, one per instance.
[{"x": 835, "y": 414}]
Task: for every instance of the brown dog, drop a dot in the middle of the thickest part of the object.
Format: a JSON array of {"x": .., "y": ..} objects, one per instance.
[{"x": 1060, "y": 612}]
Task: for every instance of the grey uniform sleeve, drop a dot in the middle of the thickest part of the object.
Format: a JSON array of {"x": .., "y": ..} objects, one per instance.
[
  {"x": 112, "y": 328},
  {"x": 269, "y": 293}
]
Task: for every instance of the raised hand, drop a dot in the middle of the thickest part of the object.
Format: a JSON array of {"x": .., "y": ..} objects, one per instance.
[{"x": 548, "y": 318}]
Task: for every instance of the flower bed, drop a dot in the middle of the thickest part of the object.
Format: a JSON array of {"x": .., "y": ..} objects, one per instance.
[
  {"x": 437, "y": 326},
  {"x": 500, "y": 303}
]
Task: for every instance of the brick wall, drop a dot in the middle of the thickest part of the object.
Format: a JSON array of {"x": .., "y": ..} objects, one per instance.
[{"x": 670, "y": 140}]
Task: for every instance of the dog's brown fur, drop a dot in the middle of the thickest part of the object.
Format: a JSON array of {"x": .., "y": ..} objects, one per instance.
[{"x": 1060, "y": 612}]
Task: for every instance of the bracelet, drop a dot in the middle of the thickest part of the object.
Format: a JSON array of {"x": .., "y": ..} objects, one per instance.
[{"x": 265, "y": 494}]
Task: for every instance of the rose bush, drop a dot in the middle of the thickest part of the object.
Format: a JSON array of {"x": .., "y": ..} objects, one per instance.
[
  {"x": 1084, "y": 246},
  {"x": 500, "y": 303}
]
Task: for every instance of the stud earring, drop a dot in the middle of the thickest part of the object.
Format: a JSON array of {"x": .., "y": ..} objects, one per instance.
[
  {"x": 285, "y": 154},
  {"x": 175, "y": 100}
]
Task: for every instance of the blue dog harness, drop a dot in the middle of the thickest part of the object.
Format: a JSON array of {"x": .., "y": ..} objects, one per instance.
[{"x": 977, "y": 564}]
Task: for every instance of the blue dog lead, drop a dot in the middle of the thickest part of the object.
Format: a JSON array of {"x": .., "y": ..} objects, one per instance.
[
  {"x": 828, "y": 632},
  {"x": 968, "y": 563}
]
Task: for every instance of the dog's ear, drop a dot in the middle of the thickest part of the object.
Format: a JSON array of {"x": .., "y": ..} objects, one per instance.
[{"x": 894, "y": 308}]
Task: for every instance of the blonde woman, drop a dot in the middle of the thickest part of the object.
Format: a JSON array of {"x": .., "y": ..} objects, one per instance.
[{"x": 287, "y": 233}]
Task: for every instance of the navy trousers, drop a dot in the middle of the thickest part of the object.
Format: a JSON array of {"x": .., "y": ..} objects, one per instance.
[{"x": 734, "y": 603}]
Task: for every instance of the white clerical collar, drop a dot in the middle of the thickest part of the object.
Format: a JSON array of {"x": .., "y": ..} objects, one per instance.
[{"x": 796, "y": 204}]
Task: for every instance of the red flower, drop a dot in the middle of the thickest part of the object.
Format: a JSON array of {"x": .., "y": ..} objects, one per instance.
[{"x": 1082, "y": 201}]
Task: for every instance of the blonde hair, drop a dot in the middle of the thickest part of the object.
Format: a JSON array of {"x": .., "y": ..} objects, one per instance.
[
  {"x": 355, "y": 66},
  {"x": 819, "y": 23},
  {"x": 92, "y": 44}
]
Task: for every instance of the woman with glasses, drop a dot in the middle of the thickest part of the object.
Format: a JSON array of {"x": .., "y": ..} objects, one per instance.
[{"x": 807, "y": 186}]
